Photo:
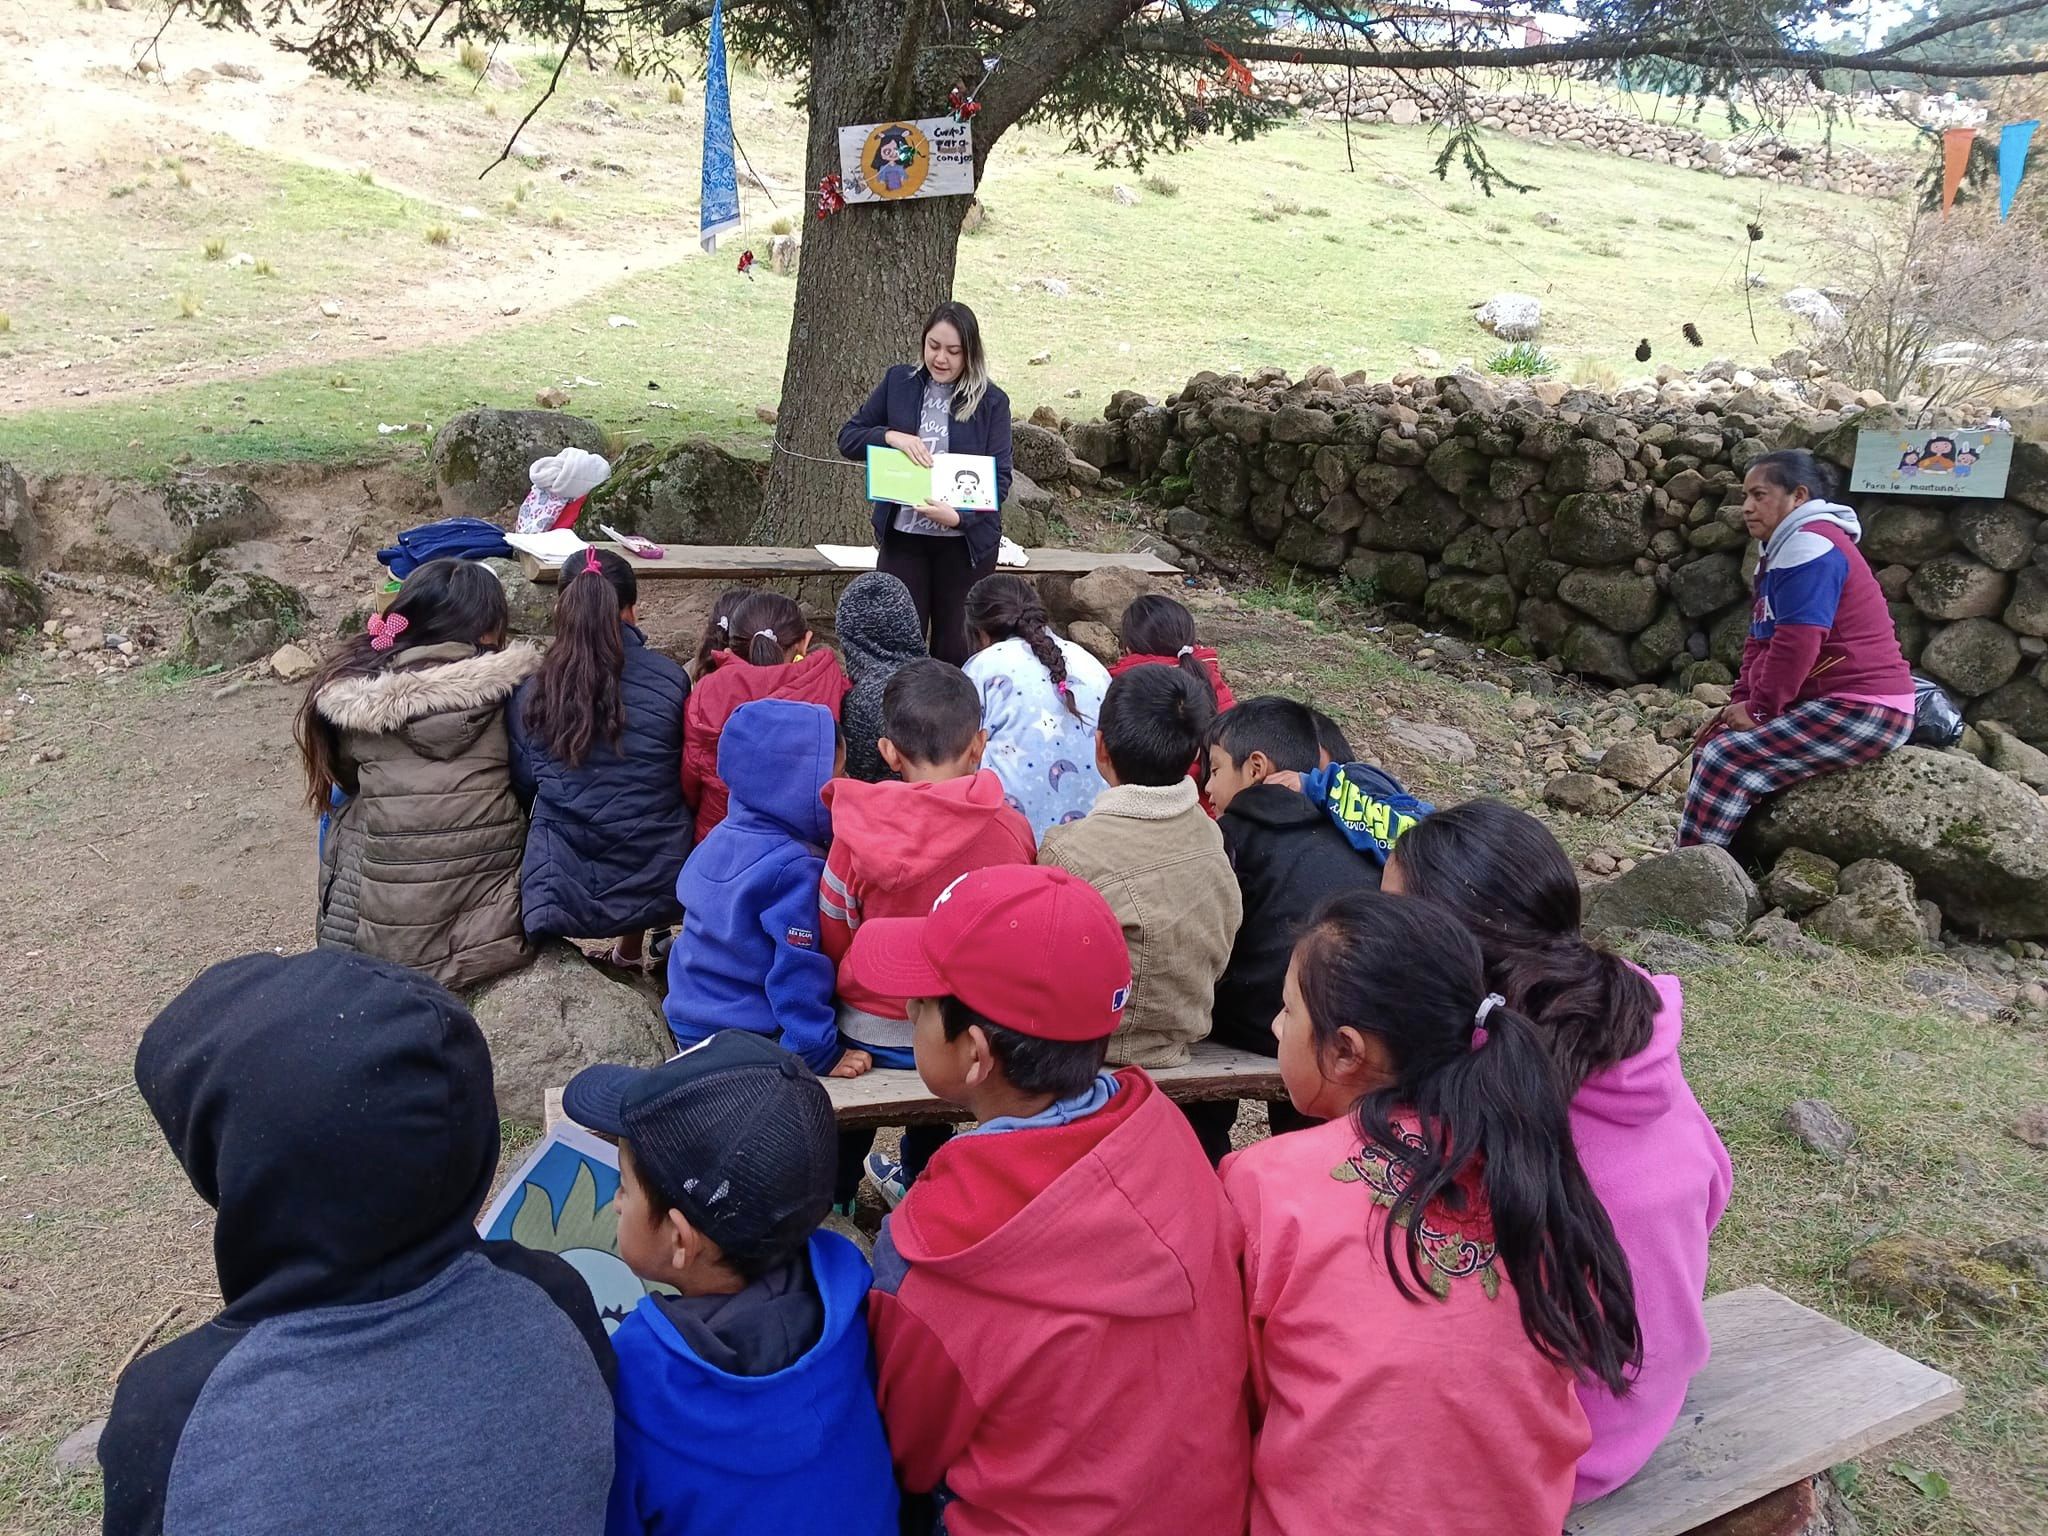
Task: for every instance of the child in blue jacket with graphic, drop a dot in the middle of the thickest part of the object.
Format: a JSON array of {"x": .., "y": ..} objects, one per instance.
[{"x": 748, "y": 955}]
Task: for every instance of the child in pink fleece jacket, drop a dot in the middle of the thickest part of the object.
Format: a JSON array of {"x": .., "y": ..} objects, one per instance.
[{"x": 1650, "y": 1151}]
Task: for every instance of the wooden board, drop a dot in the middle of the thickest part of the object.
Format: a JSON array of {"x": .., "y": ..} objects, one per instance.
[
  {"x": 686, "y": 562},
  {"x": 886, "y": 1097},
  {"x": 1788, "y": 1393}
]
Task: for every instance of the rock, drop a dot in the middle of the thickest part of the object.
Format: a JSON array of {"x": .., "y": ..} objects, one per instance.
[
  {"x": 1801, "y": 880},
  {"x": 1638, "y": 762},
  {"x": 21, "y": 601},
  {"x": 1996, "y": 532},
  {"x": 1819, "y": 1127},
  {"x": 1040, "y": 454},
  {"x": 1906, "y": 533},
  {"x": 1974, "y": 841},
  {"x": 481, "y": 457},
  {"x": 1661, "y": 644},
  {"x": 2030, "y": 1125},
  {"x": 80, "y": 1450},
  {"x": 1585, "y": 465},
  {"x": 1874, "y": 910},
  {"x": 1956, "y": 992},
  {"x": 531, "y": 605},
  {"x": 1026, "y": 510},
  {"x": 1123, "y": 196},
  {"x": 691, "y": 492},
  {"x": 1584, "y": 794},
  {"x": 1594, "y": 652},
  {"x": 1301, "y": 542},
  {"x": 2028, "y": 610},
  {"x": 1708, "y": 584},
  {"x": 1973, "y": 657},
  {"x": 2021, "y": 704},
  {"x": 240, "y": 617},
  {"x": 1510, "y": 316},
  {"x": 292, "y": 663},
  {"x": 1813, "y": 1506},
  {"x": 21, "y": 537},
  {"x": 233, "y": 71},
  {"x": 2011, "y": 756},
  {"x": 1422, "y": 520},
  {"x": 1102, "y": 596},
  {"x": 785, "y": 254},
  {"x": 1298, "y": 424},
  {"x": 1217, "y": 479},
  {"x": 1455, "y": 465},
  {"x": 1100, "y": 443},
  {"x": 1668, "y": 954},
  {"x": 1392, "y": 576},
  {"x": 1430, "y": 743},
  {"x": 1957, "y": 587},
  {"x": 558, "y": 1015},
  {"x": 1812, "y": 306},
  {"x": 551, "y": 399},
  {"x": 1690, "y": 888},
  {"x": 2025, "y": 1255},
  {"x": 186, "y": 519},
  {"x": 1618, "y": 600},
  {"x": 1922, "y": 1275},
  {"x": 1777, "y": 932},
  {"x": 1600, "y": 528},
  {"x": 1098, "y": 640},
  {"x": 1483, "y": 604},
  {"x": 1713, "y": 695}
]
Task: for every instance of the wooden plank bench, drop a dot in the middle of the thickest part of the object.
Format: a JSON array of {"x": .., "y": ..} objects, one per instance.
[
  {"x": 1787, "y": 1394},
  {"x": 897, "y": 1097},
  {"x": 716, "y": 562}
]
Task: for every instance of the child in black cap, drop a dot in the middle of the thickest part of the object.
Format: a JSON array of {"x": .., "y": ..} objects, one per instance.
[{"x": 745, "y": 1402}]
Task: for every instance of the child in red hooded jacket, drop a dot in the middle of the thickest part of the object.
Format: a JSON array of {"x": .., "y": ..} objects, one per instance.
[{"x": 1058, "y": 1315}]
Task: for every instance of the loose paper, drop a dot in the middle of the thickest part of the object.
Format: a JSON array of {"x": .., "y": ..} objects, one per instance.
[
  {"x": 888, "y": 162},
  {"x": 963, "y": 480},
  {"x": 554, "y": 547},
  {"x": 1939, "y": 461},
  {"x": 848, "y": 557}
]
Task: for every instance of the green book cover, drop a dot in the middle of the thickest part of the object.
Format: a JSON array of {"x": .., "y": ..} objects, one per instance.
[{"x": 892, "y": 477}]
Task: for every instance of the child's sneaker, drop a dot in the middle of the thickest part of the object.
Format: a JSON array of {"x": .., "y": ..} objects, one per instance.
[{"x": 886, "y": 1174}]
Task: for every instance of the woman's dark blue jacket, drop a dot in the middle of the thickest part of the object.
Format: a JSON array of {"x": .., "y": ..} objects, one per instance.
[
  {"x": 607, "y": 839},
  {"x": 895, "y": 406}
]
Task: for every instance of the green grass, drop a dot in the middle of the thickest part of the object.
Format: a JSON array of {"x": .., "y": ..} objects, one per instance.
[{"x": 1155, "y": 294}]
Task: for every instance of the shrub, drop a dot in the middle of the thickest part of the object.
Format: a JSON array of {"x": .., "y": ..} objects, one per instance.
[
  {"x": 125, "y": 189},
  {"x": 1286, "y": 207},
  {"x": 1524, "y": 360},
  {"x": 189, "y": 307},
  {"x": 1672, "y": 221},
  {"x": 1605, "y": 248},
  {"x": 1161, "y": 186},
  {"x": 782, "y": 225},
  {"x": 439, "y": 234},
  {"x": 184, "y": 176},
  {"x": 557, "y": 219},
  {"x": 1497, "y": 227},
  {"x": 1315, "y": 211},
  {"x": 1265, "y": 216},
  {"x": 215, "y": 248},
  {"x": 1461, "y": 206},
  {"x": 475, "y": 59}
]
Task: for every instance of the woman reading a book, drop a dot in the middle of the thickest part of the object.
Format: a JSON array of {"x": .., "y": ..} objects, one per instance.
[{"x": 944, "y": 404}]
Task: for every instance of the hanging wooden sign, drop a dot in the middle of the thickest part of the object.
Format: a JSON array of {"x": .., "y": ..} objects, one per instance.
[
  {"x": 1932, "y": 461},
  {"x": 889, "y": 162}
]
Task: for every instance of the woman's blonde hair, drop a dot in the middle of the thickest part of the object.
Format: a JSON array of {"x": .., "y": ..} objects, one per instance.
[{"x": 972, "y": 388}]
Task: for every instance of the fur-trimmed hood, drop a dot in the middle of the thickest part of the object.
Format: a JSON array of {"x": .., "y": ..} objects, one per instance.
[{"x": 422, "y": 684}]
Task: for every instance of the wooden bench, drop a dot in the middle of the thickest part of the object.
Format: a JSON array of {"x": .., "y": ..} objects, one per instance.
[
  {"x": 1787, "y": 1394},
  {"x": 897, "y": 1097},
  {"x": 718, "y": 562}
]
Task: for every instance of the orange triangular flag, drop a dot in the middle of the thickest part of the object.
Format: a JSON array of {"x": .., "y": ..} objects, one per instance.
[{"x": 1955, "y": 159}]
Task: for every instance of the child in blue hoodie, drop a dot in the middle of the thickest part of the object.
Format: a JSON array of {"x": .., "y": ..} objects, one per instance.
[
  {"x": 746, "y": 1401},
  {"x": 748, "y": 956}
]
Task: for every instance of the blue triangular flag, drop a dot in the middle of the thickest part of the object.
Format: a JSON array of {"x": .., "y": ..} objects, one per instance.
[
  {"x": 2012, "y": 160},
  {"x": 719, "y": 205}
]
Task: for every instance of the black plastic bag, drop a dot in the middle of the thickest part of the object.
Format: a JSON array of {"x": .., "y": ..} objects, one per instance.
[{"x": 1936, "y": 720}]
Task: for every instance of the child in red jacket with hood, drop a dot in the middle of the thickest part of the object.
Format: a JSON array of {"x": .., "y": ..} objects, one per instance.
[
  {"x": 1058, "y": 1315},
  {"x": 770, "y": 658},
  {"x": 895, "y": 846}
]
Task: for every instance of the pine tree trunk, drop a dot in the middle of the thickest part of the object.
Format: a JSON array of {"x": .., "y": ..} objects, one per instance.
[{"x": 870, "y": 273}]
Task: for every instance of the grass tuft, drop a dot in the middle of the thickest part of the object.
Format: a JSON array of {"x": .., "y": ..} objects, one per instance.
[
  {"x": 263, "y": 267},
  {"x": 439, "y": 234},
  {"x": 675, "y": 93},
  {"x": 557, "y": 219},
  {"x": 6, "y": 322},
  {"x": 216, "y": 247},
  {"x": 1161, "y": 186},
  {"x": 782, "y": 225},
  {"x": 1524, "y": 360},
  {"x": 475, "y": 58},
  {"x": 189, "y": 307},
  {"x": 183, "y": 174}
]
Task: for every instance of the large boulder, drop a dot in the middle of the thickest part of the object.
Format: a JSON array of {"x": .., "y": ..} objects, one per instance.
[
  {"x": 1874, "y": 910},
  {"x": 1422, "y": 520},
  {"x": 1620, "y": 600},
  {"x": 1100, "y": 443},
  {"x": 1906, "y": 533},
  {"x": 1600, "y": 528},
  {"x": 481, "y": 458},
  {"x": 2028, "y": 610},
  {"x": 1038, "y": 452},
  {"x": 1701, "y": 888},
  {"x": 21, "y": 539},
  {"x": 1483, "y": 604},
  {"x": 1027, "y": 510},
  {"x": 1708, "y": 584},
  {"x": 21, "y": 601},
  {"x": 1390, "y": 576},
  {"x": 547, "y": 1022},
  {"x": 1974, "y": 841},
  {"x": 1102, "y": 596},
  {"x": 1997, "y": 532},
  {"x": 692, "y": 492},
  {"x": 1595, "y": 652},
  {"x": 1586, "y": 465},
  {"x": 186, "y": 519},
  {"x": 1957, "y": 587},
  {"x": 1217, "y": 479},
  {"x": 531, "y": 605},
  {"x": 1802, "y": 880},
  {"x": 240, "y": 617},
  {"x": 2013, "y": 757},
  {"x": 1972, "y": 657},
  {"x": 2021, "y": 704},
  {"x": 1510, "y": 316}
]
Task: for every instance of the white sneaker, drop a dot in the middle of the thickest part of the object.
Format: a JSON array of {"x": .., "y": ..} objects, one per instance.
[{"x": 886, "y": 1174}]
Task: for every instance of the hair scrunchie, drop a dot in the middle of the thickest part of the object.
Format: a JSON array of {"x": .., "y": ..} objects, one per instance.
[{"x": 1479, "y": 1035}]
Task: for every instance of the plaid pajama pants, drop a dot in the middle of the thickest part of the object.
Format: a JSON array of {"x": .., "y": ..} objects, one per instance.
[{"x": 1734, "y": 769}]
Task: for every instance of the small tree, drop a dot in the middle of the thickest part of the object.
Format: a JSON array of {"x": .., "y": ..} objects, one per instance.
[{"x": 1124, "y": 78}]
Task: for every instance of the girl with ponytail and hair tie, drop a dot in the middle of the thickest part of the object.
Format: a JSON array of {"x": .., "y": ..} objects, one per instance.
[
  {"x": 768, "y": 655},
  {"x": 597, "y": 736},
  {"x": 1429, "y": 1267},
  {"x": 1156, "y": 631},
  {"x": 1612, "y": 1032},
  {"x": 1040, "y": 699},
  {"x": 717, "y": 636}
]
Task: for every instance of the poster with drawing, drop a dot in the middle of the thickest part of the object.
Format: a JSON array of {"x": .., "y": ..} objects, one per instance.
[
  {"x": 888, "y": 162},
  {"x": 564, "y": 1199},
  {"x": 1932, "y": 461}
]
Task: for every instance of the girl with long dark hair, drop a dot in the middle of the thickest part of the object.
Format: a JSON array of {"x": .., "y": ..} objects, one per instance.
[
  {"x": 403, "y": 729},
  {"x": 1156, "y": 631},
  {"x": 1040, "y": 699},
  {"x": 1432, "y": 1256},
  {"x": 941, "y": 404},
  {"x": 597, "y": 749},
  {"x": 769, "y": 655},
  {"x": 1651, "y": 1153}
]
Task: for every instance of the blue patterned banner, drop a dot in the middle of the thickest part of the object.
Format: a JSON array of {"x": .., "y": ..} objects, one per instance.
[{"x": 719, "y": 204}]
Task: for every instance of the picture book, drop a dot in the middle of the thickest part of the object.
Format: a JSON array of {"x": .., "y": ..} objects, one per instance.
[{"x": 966, "y": 481}]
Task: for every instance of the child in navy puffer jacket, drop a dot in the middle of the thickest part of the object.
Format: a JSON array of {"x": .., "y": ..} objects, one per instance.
[{"x": 748, "y": 956}]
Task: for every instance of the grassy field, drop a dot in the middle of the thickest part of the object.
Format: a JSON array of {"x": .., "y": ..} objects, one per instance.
[{"x": 1236, "y": 256}]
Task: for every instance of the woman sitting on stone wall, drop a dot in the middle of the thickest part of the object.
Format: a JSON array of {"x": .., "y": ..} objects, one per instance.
[{"x": 1823, "y": 684}]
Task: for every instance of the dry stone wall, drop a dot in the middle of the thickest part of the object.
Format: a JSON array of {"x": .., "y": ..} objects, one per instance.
[{"x": 1602, "y": 530}]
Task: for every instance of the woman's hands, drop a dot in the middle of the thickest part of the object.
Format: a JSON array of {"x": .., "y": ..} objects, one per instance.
[
  {"x": 911, "y": 446},
  {"x": 940, "y": 513}
]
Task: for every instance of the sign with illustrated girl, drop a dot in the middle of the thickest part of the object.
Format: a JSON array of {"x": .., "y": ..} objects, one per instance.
[
  {"x": 888, "y": 162},
  {"x": 1937, "y": 461}
]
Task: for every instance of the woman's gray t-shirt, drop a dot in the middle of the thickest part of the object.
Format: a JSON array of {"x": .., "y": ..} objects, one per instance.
[{"x": 934, "y": 429}]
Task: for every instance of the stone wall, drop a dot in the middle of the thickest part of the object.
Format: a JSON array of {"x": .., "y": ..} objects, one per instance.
[
  {"x": 1539, "y": 115},
  {"x": 1604, "y": 531}
]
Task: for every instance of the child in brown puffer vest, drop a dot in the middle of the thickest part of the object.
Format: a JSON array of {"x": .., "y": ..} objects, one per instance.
[{"x": 406, "y": 727}]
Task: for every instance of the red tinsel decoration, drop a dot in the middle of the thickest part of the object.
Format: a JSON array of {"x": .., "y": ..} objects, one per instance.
[
  {"x": 964, "y": 106},
  {"x": 831, "y": 196},
  {"x": 1235, "y": 70}
]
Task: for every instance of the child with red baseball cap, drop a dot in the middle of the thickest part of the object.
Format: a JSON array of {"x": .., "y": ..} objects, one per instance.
[{"x": 1058, "y": 1315}]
